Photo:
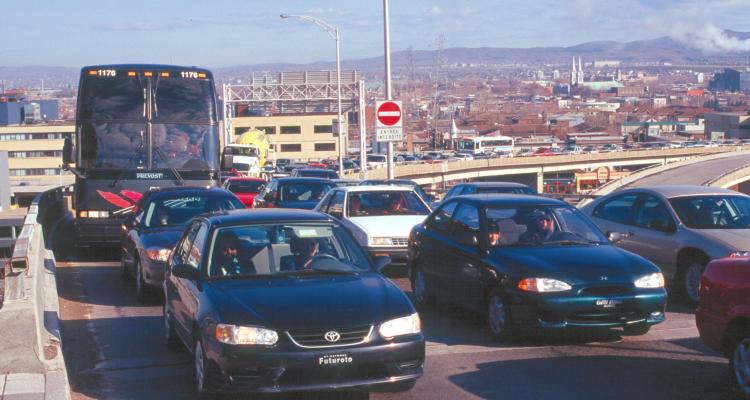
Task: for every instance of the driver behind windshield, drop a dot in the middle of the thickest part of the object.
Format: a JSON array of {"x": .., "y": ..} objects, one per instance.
[
  {"x": 303, "y": 252},
  {"x": 540, "y": 226}
]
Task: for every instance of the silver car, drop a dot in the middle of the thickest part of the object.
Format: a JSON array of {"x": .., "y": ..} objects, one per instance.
[{"x": 679, "y": 228}]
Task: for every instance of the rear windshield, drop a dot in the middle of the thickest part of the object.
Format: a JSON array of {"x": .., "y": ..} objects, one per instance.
[
  {"x": 375, "y": 204},
  {"x": 246, "y": 186},
  {"x": 304, "y": 191},
  {"x": 505, "y": 190},
  {"x": 177, "y": 210}
]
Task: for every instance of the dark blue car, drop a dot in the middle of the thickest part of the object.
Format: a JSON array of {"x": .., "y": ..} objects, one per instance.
[
  {"x": 529, "y": 261},
  {"x": 150, "y": 233},
  {"x": 304, "y": 193},
  {"x": 285, "y": 300}
]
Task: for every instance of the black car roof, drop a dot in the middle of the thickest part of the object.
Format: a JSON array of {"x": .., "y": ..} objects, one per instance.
[
  {"x": 297, "y": 179},
  {"x": 481, "y": 200},
  {"x": 261, "y": 215},
  {"x": 495, "y": 184}
]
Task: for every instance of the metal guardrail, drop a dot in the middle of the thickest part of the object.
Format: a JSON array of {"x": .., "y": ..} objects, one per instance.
[{"x": 422, "y": 170}]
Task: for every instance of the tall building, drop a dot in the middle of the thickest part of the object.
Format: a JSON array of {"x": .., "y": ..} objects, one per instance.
[
  {"x": 727, "y": 80},
  {"x": 580, "y": 72},
  {"x": 35, "y": 157}
]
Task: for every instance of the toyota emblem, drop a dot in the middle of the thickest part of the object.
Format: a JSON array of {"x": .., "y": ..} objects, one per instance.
[{"x": 332, "y": 336}]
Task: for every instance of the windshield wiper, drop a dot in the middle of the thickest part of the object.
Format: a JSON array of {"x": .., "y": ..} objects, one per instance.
[
  {"x": 176, "y": 173},
  {"x": 570, "y": 242},
  {"x": 313, "y": 271}
]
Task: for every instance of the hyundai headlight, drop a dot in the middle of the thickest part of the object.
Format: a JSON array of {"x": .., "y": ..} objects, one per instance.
[
  {"x": 381, "y": 241},
  {"x": 543, "y": 285},
  {"x": 401, "y": 326},
  {"x": 246, "y": 335},
  {"x": 744, "y": 253},
  {"x": 158, "y": 253},
  {"x": 652, "y": 281}
]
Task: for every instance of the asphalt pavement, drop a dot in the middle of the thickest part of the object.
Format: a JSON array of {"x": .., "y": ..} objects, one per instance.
[{"x": 114, "y": 350}]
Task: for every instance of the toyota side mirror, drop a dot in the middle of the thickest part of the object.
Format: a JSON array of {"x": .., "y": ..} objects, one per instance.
[
  {"x": 382, "y": 262},
  {"x": 184, "y": 271}
]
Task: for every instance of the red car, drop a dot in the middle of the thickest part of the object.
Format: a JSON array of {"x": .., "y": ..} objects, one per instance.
[
  {"x": 723, "y": 315},
  {"x": 544, "y": 151},
  {"x": 245, "y": 188}
]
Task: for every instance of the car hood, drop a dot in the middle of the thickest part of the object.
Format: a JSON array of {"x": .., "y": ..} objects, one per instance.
[
  {"x": 310, "y": 302},
  {"x": 732, "y": 238},
  {"x": 165, "y": 237},
  {"x": 576, "y": 265},
  {"x": 388, "y": 225}
]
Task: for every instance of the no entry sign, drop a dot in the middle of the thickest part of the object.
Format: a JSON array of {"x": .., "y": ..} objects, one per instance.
[{"x": 388, "y": 121}]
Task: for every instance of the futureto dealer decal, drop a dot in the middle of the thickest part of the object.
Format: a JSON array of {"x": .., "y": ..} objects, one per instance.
[{"x": 334, "y": 359}]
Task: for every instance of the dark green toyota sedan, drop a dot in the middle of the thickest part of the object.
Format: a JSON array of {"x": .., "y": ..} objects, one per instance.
[{"x": 530, "y": 261}]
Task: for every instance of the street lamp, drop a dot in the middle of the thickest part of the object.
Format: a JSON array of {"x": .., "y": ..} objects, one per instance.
[{"x": 333, "y": 31}]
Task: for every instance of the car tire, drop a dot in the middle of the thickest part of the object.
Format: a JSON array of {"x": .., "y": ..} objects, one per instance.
[
  {"x": 124, "y": 273},
  {"x": 636, "y": 329},
  {"x": 739, "y": 366},
  {"x": 170, "y": 334},
  {"x": 422, "y": 296},
  {"x": 199, "y": 369},
  {"x": 498, "y": 317},
  {"x": 142, "y": 290},
  {"x": 689, "y": 280}
]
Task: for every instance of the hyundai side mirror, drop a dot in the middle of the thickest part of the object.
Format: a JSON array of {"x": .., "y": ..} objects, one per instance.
[
  {"x": 382, "y": 262},
  {"x": 185, "y": 271}
]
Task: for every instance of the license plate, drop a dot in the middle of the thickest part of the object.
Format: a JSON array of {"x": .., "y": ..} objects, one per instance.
[
  {"x": 335, "y": 359},
  {"x": 608, "y": 303}
]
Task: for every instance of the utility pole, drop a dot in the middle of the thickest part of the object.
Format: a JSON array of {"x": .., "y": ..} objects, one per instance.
[{"x": 387, "y": 45}]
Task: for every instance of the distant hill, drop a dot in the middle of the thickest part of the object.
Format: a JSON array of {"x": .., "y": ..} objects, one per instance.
[{"x": 662, "y": 49}]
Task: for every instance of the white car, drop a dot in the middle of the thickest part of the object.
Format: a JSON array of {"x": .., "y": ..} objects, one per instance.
[
  {"x": 379, "y": 217},
  {"x": 376, "y": 160}
]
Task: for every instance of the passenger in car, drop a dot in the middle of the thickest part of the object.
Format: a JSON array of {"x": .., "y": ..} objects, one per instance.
[
  {"x": 493, "y": 234},
  {"x": 230, "y": 257}
]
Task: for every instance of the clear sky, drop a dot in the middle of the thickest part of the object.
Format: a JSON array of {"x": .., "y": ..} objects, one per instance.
[{"x": 218, "y": 33}]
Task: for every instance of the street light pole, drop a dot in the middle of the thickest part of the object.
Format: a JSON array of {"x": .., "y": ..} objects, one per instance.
[{"x": 333, "y": 31}]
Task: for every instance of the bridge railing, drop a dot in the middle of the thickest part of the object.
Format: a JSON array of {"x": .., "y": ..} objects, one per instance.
[
  {"x": 30, "y": 286},
  {"x": 435, "y": 169}
]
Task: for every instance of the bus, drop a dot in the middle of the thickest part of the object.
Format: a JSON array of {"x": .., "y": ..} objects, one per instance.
[
  {"x": 486, "y": 144},
  {"x": 138, "y": 127}
]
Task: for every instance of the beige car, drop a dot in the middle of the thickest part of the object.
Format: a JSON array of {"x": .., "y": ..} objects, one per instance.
[{"x": 679, "y": 228}]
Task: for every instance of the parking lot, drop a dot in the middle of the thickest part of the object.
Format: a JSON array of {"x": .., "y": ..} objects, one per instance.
[{"x": 114, "y": 349}]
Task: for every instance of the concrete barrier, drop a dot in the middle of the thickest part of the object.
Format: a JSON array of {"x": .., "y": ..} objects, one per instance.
[{"x": 31, "y": 303}]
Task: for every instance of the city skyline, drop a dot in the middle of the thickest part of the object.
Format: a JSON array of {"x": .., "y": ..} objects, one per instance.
[{"x": 228, "y": 32}]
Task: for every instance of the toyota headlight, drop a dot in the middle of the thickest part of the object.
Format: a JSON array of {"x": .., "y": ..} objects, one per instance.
[
  {"x": 246, "y": 335},
  {"x": 543, "y": 285},
  {"x": 381, "y": 241},
  {"x": 158, "y": 253},
  {"x": 652, "y": 281},
  {"x": 401, "y": 326}
]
